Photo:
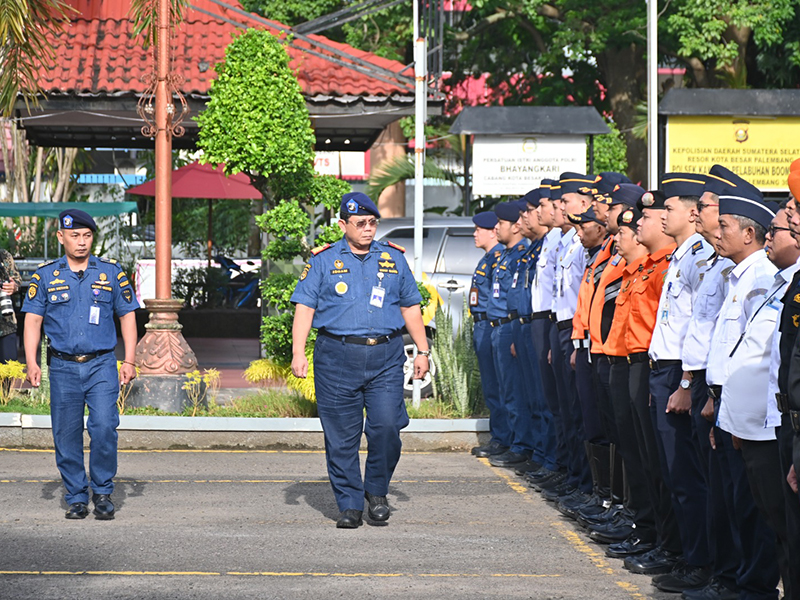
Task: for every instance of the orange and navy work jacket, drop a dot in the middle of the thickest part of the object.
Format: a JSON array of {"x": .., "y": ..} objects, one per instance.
[
  {"x": 645, "y": 295},
  {"x": 591, "y": 276},
  {"x": 601, "y": 313},
  {"x": 615, "y": 342}
]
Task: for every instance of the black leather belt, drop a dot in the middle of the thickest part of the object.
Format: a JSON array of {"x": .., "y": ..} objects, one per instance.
[
  {"x": 715, "y": 392},
  {"x": 503, "y": 320},
  {"x": 553, "y": 317},
  {"x": 564, "y": 325},
  {"x": 362, "y": 341},
  {"x": 659, "y": 365},
  {"x": 478, "y": 317},
  {"x": 783, "y": 403},
  {"x": 526, "y": 319},
  {"x": 616, "y": 360},
  {"x": 638, "y": 357},
  {"x": 542, "y": 314},
  {"x": 78, "y": 358}
]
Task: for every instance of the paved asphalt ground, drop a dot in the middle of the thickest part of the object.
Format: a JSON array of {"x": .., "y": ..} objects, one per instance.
[{"x": 261, "y": 524}]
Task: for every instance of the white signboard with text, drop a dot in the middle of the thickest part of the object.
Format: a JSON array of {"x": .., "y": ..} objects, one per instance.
[
  {"x": 352, "y": 165},
  {"x": 514, "y": 165}
]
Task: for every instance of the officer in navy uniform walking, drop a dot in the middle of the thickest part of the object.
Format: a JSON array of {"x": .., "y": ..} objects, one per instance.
[
  {"x": 358, "y": 294},
  {"x": 76, "y": 298}
]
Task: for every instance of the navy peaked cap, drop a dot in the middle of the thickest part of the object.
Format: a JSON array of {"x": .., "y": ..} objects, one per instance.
[
  {"x": 746, "y": 202},
  {"x": 76, "y": 219},
  {"x": 532, "y": 198},
  {"x": 683, "y": 184},
  {"x": 356, "y": 203},
  {"x": 626, "y": 193},
  {"x": 572, "y": 183}
]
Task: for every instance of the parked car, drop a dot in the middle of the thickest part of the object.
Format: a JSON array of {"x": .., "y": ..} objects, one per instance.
[{"x": 449, "y": 258}]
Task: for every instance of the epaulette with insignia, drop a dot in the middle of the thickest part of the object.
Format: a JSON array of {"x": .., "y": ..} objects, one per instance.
[
  {"x": 497, "y": 253},
  {"x": 110, "y": 261},
  {"x": 727, "y": 271},
  {"x": 396, "y": 246},
  {"x": 756, "y": 292},
  {"x": 319, "y": 249},
  {"x": 702, "y": 263},
  {"x": 696, "y": 247},
  {"x": 45, "y": 263},
  {"x": 521, "y": 247}
]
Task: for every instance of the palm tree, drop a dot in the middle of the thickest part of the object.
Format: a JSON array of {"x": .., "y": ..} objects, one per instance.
[{"x": 26, "y": 28}]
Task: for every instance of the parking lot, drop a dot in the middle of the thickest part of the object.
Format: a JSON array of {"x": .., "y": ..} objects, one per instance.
[{"x": 247, "y": 524}]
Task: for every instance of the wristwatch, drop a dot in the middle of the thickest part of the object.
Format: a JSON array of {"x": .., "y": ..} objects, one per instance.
[
  {"x": 424, "y": 352},
  {"x": 686, "y": 384}
]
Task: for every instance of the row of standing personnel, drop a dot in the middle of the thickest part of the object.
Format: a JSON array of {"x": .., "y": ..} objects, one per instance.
[{"x": 637, "y": 357}]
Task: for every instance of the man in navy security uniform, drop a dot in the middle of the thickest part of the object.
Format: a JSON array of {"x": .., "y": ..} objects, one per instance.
[
  {"x": 501, "y": 315},
  {"x": 358, "y": 294},
  {"x": 76, "y": 298},
  {"x": 481, "y": 288}
]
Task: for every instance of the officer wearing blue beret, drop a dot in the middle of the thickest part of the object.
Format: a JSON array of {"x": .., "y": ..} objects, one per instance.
[
  {"x": 359, "y": 294},
  {"x": 75, "y": 298},
  {"x": 486, "y": 239}
]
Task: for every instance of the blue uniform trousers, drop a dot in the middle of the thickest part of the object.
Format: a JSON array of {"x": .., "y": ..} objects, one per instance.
[
  {"x": 723, "y": 545},
  {"x": 660, "y": 497},
  {"x": 556, "y": 449},
  {"x": 758, "y": 573},
  {"x": 680, "y": 465},
  {"x": 74, "y": 386},
  {"x": 579, "y": 475},
  {"x": 348, "y": 379},
  {"x": 638, "y": 498},
  {"x": 531, "y": 397},
  {"x": 499, "y": 427},
  {"x": 510, "y": 378}
]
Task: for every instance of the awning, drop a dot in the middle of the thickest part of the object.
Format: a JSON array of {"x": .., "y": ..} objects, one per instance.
[{"x": 53, "y": 209}]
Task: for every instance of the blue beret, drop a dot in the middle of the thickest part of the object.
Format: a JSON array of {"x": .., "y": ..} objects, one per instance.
[
  {"x": 486, "y": 219},
  {"x": 587, "y": 216},
  {"x": 722, "y": 181},
  {"x": 746, "y": 202},
  {"x": 654, "y": 199},
  {"x": 626, "y": 193},
  {"x": 532, "y": 198},
  {"x": 546, "y": 187},
  {"x": 356, "y": 203},
  {"x": 76, "y": 219},
  {"x": 629, "y": 217},
  {"x": 682, "y": 184},
  {"x": 507, "y": 211},
  {"x": 571, "y": 183}
]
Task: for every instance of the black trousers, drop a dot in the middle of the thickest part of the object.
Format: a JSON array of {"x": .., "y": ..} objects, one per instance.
[
  {"x": 762, "y": 465},
  {"x": 639, "y": 500},
  {"x": 792, "y": 500},
  {"x": 666, "y": 523}
]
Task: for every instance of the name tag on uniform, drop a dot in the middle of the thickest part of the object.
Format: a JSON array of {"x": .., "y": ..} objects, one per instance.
[
  {"x": 496, "y": 289},
  {"x": 94, "y": 315},
  {"x": 473, "y": 296},
  {"x": 378, "y": 294}
]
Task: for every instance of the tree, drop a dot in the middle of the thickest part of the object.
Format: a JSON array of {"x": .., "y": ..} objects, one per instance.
[{"x": 257, "y": 123}]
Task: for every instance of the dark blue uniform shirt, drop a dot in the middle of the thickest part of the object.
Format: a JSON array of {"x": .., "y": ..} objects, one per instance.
[
  {"x": 482, "y": 280},
  {"x": 503, "y": 279},
  {"x": 519, "y": 296},
  {"x": 67, "y": 304},
  {"x": 341, "y": 288}
]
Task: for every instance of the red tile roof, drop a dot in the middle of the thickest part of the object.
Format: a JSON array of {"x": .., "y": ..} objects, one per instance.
[{"x": 98, "y": 54}]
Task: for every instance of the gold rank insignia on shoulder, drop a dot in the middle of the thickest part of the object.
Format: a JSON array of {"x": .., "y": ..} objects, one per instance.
[
  {"x": 796, "y": 320},
  {"x": 396, "y": 246},
  {"x": 497, "y": 253},
  {"x": 756, "y": 292},
  {"x": 696, "y": 247},
  {"x": 319, "y": 249}
]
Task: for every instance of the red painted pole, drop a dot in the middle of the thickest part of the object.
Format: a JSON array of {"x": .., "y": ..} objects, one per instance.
[{"x": 164, "y": 111}]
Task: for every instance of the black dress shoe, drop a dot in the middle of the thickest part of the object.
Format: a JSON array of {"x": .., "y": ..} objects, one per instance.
[
  {"x": 349, "y": 519},
  {"x": 556, "y": 493},
  {"x": 652, "y": 563},
  {"x": 608, "y": 515},
  {"x": 715, "y": 590},
  {"x": 568, "y": 505},
  {"x": 527, "y": 467},
  {"x": 686, "y": 578},
  {"x": 508, "y": 459},
  {"x": 550, "y": 482},
  {"x": 103, "y": 507},
  {"x": 77, "y": 510},
  {"x": 378, "y": 509},
  {"x": 613, "y": 532},
  {"x": 491, "y": 450},
  {"x": 630, "y": 547}
]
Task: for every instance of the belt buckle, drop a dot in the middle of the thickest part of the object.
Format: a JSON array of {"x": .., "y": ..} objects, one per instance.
[
  {"x": 653, "y": 364},
  {"x": 794, "y": 416},
  {"x": 372, "y": 342},
  {"x": 629, "y": 359},
  {"x": 81, "y": 358}
]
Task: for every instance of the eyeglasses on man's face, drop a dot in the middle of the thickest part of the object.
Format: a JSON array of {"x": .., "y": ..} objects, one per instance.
[
  {"x": 702, "y": 205},
  {"x": 774, "y": 228},
  {"x": 363, "y": 223}
]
